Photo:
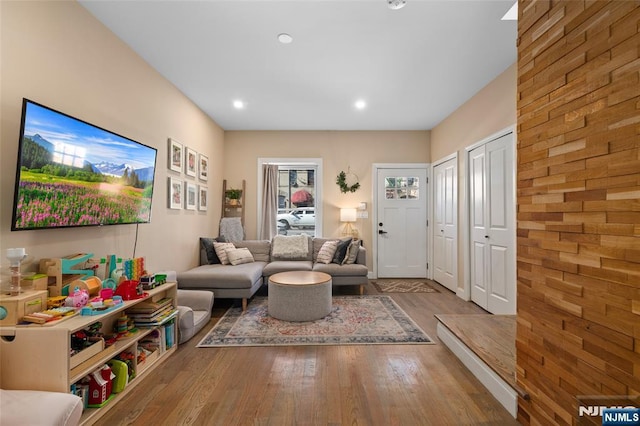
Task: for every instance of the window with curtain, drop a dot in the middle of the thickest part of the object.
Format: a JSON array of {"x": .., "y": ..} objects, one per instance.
[{"x": 298, "y": 198}]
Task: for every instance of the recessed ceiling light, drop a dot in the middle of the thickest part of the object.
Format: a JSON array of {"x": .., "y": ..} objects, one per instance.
[
  {"x": 512, "y": 14},
  {"x": 238, "y": 104},
  {"x": 285, "y": 38},
  {"x": 396, "y": 4},
  {"x": 360, "y": 104}
]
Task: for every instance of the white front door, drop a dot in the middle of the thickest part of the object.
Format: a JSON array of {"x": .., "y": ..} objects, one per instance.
[
  {"x": 445, "y": 233},
  {"x": 492, "y": 224},
  {"x": 401, "y": 223}
]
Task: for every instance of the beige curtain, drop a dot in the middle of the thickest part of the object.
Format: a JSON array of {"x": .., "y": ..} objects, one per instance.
[{"x": 269, "y": 228}]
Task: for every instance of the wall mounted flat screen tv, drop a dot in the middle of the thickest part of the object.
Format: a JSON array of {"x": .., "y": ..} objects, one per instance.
[{"x": 71, "y": 173}]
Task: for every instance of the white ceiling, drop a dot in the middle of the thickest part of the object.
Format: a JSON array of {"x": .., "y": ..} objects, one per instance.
[{"x": 413, "y": 66}]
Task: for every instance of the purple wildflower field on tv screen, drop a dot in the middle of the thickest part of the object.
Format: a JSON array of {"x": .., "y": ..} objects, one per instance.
[{"x": 71, "y": 173}]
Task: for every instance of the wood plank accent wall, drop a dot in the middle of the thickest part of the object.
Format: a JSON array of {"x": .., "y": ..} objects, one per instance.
[{"x": 578, "y": 195}]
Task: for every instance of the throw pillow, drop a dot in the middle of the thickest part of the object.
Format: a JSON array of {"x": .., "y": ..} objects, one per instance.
[
  {"x": 291, "y": 247},
  {"x": 220, "y": 249},
  {"x": 341, "y": 251},
  {"x": 327, "y": 251},
  {"x": 352, "y": 253},
  {"x": 239, "y": 256},
  {"x": 206, "y": 244}
]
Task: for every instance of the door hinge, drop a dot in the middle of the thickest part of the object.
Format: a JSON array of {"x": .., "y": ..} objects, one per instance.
[
  {"x": 427, "y": 266},
  {"x": 427, "y": 223}
]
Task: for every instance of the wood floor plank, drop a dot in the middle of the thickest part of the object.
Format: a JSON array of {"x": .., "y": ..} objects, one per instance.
[{"x": 317, "y": 385}]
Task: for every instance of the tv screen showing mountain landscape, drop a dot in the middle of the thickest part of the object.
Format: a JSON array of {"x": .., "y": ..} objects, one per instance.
[{"x": 72, "y": 173}]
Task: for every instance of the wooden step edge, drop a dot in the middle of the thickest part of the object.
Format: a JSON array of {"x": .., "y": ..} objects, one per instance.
[{"x": 511, "y": 381}]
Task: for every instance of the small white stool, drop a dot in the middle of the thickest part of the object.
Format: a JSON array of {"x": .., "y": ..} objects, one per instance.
[{"x": 299, "y": 295}]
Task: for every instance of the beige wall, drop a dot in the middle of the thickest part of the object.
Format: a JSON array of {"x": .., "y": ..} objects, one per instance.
[
  {"x": 57, "y": 54},
  {"x": 339, "y": 150},
  {"x": 490, "y": 110}
]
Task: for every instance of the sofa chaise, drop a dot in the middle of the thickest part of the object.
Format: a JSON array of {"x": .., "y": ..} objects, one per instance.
[{"x": 251, "y": 262}]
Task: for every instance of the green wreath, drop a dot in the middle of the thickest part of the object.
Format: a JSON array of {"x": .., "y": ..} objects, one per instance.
[{"x": 341, "y": 180}]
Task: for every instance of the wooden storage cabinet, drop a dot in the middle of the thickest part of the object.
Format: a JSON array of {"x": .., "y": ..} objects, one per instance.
[{"x": 38, "y": 357}]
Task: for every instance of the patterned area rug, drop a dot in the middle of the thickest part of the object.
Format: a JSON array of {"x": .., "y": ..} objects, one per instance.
[
  {"x": 353, "y": 320},
  {"x": 404, "y": 285}
]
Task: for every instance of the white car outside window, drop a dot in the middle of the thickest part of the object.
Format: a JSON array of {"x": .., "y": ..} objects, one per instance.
[{"x": 300, "y": 218}]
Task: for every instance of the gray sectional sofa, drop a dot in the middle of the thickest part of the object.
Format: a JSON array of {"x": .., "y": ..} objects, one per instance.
[{"x": 241, "y": 281}]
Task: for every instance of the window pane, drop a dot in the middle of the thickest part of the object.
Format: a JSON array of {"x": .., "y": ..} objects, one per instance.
[
  {"x": 402, "y": 188},
  {"x": 296, "y": 201}
]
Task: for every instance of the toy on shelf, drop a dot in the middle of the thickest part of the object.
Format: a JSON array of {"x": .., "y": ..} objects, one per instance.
[
  {"x": 15, "y": 256},
  {"x": 78, "y": 299},
  {"x": 130, "y": 290},
  {"x": 101, "y": 306},
  {"x": 54, "y": 314},
  {"x": 62, "y": 271},
  {"x": 134, "y": 268}
]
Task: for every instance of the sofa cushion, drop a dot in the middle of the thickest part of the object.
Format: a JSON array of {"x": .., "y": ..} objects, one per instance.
[
  {"x": 328, "y": 249},
  {"x": 352, "y": 252},
  {"x": 221, "y": 276},
  {"x": 341, "y": 251},
  {"x": 238, "y": 256},
  {"x": 291, "y": 247},
  {"x": 335, "y": 270},
  {"x": 221, "y": 251},
  {"x": 286, "y": 265},
  {"x": 260, "y": 249},
  {"x": 29, "y": 407}
]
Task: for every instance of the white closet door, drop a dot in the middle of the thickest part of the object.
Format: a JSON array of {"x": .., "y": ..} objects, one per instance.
[
  {"x": 492, "y": 217},
  {"x": 445, "y": 238}
]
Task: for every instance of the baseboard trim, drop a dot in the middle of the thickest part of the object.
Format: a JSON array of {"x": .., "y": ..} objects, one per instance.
[{"x": 500, "y": 390}]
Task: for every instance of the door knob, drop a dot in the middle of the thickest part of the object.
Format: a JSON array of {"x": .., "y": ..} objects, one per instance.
[
  {"x": 486, "y": 236},
  {"x": 382, "y": 232},
  {"x": 442, "y": 230}
]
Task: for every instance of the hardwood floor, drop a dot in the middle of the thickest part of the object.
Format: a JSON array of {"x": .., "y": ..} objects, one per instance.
[{"x": 317, "y": 385}]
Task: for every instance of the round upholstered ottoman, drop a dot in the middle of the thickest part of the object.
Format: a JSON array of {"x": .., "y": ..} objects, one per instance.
[{"x": 299, "y": 295}]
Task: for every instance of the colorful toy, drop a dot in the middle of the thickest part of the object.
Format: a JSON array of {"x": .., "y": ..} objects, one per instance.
[
  {"x": 79, "y": 298},
  {"x": 130, "y": 290},
  {"x": 134, "y": 268}
]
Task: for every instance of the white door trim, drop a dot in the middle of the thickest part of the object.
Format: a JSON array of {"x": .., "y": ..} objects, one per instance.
[
  {"x": 465, "y": 292},
  {"x": 374, "y": 222}
]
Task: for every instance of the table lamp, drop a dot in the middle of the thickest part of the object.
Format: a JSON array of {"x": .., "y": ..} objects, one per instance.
[{"x": 348, "y": 216}]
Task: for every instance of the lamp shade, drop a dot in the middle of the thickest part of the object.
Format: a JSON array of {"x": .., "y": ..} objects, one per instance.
[{"x": 347, "y": 215}]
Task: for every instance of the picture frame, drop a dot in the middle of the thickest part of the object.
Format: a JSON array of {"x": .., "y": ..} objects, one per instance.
[
  {"x": 203, "y": 167},
  {"x": 191, "y": 196},
  {"x": 203, "y": 196},
  {"x": 176, "y": 155},
  {"x": 190, "y": 162},
  {"x": 175, "y": 193}
]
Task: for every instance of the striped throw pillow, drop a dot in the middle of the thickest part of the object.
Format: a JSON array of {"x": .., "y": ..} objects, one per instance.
[
  {"x": 239, "y": 256},
  {"x": 221, "y": 251},
  {"x": 328, "y": 249}
]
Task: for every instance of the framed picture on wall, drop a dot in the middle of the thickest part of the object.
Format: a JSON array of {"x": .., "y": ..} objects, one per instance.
[
  {"x": 202, "y": 197},
  {"x": 191, "y": 159},
  {"x": 203, "y": 167},
  {"x": 176, "y": 155},
  {"x": 175, "y": 193},
  {"x": 191, "y": 196}
]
